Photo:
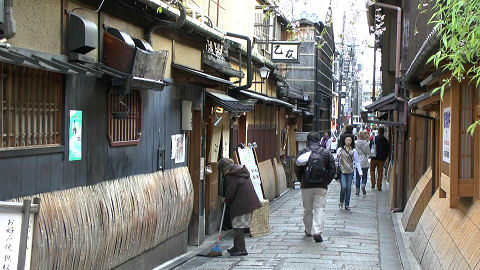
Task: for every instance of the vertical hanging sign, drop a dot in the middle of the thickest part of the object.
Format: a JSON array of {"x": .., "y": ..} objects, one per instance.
[
  {"x": 75, "y": 136},
  {"x": 446, "y": 134}
]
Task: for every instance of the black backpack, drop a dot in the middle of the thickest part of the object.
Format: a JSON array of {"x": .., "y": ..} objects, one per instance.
[{"x": 315, "y": 171}]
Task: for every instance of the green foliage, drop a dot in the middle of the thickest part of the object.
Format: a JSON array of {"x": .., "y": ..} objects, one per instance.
[{"x": 458, "y": 23}]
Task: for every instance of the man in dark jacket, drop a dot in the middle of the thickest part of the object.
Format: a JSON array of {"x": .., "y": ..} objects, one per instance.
[
  {"x": 383, "y": 150},
  {"x": 314, "y": 194},
  {"x": 242, "y": 199}
]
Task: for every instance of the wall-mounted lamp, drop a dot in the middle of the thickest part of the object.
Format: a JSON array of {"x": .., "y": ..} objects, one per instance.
[{"x": 264, "y": 72}]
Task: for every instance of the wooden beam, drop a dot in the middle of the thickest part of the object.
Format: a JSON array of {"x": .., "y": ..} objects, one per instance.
[
  {"x": 454, "y": 143},
  {"x": 465, "y": 188}
]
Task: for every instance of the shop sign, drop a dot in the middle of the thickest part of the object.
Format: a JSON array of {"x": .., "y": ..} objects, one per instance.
[
  {"x": 447, "y": 117},
  {"x": 75, "y": 136},
  {"x": 247, "y": 158},
  {"x": 285, "y": 51},
  {"x": 10, "y": 236}
]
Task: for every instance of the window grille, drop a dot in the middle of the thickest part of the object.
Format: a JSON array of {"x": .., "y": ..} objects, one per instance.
[
  {"x": 128, "y": 130},
  {"x": 262, "y": 31},
  {"x": 31, "y": 106},
  {"x": 466, "y": 141}
]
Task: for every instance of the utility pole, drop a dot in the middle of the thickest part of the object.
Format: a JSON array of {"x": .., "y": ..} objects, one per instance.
[{"x": 340, "y": 107}]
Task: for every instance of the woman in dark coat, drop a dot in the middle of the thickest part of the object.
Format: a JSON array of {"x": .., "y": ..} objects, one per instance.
[{"x": 242, "y": 199}]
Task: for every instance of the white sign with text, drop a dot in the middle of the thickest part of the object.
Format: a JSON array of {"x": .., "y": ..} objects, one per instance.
[{"x": 285, "y": 51}]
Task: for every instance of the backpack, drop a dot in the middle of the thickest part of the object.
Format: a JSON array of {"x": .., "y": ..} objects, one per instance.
[{"x": 315, "y": 171}]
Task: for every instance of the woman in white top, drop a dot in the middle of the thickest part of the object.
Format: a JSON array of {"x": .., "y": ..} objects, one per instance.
[
  {"x": 348, "y": 160},
  {"x": 362, "y": 145}
]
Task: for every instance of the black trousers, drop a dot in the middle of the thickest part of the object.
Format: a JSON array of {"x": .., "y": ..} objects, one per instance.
[{"x": 239, "y": 240}]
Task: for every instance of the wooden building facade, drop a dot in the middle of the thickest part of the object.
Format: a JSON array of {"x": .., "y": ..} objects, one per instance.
[{"x": 435, "y": 180}]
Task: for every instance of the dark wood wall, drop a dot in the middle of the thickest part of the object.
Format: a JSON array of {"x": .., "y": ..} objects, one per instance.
[{"x": 27, "y": 175}]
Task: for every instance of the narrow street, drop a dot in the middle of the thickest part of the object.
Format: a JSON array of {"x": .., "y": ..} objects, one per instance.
[{"x": 362, "y": 238}]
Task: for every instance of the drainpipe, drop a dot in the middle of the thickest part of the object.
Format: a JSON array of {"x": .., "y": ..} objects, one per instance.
[
  {"x": 166, "y": 24},
  {"x": 397, "y": 57},
  {"x": 249, "y": 61}
]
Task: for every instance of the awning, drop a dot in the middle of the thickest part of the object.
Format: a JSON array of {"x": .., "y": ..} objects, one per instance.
[
  {"x": 266, "y": 98},
  {"x": 424, "y": 99},
  {"x": 221, "y": 66},
  {"x": 199, "y": 77},
  {"x": 227, "y": 102},
  {"x": 428, "y": 48},
  {"x": 61, "y": 64},
  {"x": 385, "y": 103}
]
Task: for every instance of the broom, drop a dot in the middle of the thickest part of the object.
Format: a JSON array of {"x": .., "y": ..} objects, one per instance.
[{"x": 216, "y": 251}]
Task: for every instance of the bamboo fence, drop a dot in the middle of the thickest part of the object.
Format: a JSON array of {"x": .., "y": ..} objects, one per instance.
[{"x": 104, "y": 225}]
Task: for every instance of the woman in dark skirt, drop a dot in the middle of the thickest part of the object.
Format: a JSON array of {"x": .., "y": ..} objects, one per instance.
[{"x": 242, "y": 199}]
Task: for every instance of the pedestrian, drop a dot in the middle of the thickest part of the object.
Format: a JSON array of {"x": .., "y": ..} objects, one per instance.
[
  {"x": 363, "y": 150},
  {"x": 243, "y": 200},
  {"x": 348, "y": 159},
  {"x": 326, "y": 141},
  {"x": 348, "y": 130},
  {"x": 380, "y": 149},
  {"x": 315, "y": 167}
]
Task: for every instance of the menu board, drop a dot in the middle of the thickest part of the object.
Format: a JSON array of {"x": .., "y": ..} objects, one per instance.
[
  {"x": 246, "y": 157},
  {"x": 10, "y": 227}
]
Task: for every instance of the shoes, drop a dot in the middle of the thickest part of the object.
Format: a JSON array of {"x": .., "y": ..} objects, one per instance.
[
  {"x": 379, "y": 189},
  {"x": 340, "y": 205},
  {"x": 318, "y": 238},
  {"x": 232, "y": 250},
  {"x": 239, "y": 253},
  {"x": 356, "y": 193},
  {"x": 307, "y": 234},
  {"x": 373, "y": 186},
  {"x": 364, "y": 191},
  {"x": 347, "y": 207}
]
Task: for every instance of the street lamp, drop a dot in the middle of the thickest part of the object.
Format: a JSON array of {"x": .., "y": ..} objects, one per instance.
[{"x": 264, "y": 72}]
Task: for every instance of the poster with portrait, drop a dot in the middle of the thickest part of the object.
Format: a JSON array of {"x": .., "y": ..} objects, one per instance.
[
  {"x": 446, "y": 138},
  {"x": 75, "y": 136},
  {"x": 179, "y": 148}
]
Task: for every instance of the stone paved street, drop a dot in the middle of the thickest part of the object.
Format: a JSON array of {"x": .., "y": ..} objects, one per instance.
[{"x": 362, "y": 238}]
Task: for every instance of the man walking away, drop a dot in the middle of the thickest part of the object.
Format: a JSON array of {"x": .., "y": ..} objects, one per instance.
[
  {"x": 381, "y": 154},
  {"x": 315, "y": 166}
]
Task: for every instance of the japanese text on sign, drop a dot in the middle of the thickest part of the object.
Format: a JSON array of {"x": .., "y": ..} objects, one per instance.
[
  {"x": 285, "y": 51},
  {"x": 10, "y": 231}
]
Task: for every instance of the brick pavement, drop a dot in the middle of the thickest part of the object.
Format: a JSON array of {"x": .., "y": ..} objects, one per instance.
[{"x": 351, "y": 238}]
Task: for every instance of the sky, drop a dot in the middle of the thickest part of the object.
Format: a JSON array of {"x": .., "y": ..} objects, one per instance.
[{"x": 356, "y": 26}]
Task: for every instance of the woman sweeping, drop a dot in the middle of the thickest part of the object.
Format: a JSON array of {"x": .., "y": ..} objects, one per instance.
[
  {"x": 242, "y": 199},
  {"x": 348, "y": 159}
]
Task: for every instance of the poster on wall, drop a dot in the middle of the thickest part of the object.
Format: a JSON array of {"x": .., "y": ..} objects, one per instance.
[
  {"x": 75, "y": 136},
  {"x": 246, "y": 157},
  {"x": 180, "y": 148},
  {"x": 447, "y": 117}
]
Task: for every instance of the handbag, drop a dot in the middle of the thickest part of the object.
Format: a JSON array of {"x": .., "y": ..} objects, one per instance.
[{"x": 373, "y": 151}]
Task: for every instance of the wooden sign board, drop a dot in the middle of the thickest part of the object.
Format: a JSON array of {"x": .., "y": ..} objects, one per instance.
[
  {"x": 246, "y": 157},
  {"x": 13, "y": 230}
]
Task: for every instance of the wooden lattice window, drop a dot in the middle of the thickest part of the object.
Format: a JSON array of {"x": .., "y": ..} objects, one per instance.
[
  {"x": 125, "y": 119},
  {"x": 31, "y": 107},
  {"x": 466, "y": 141}
]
